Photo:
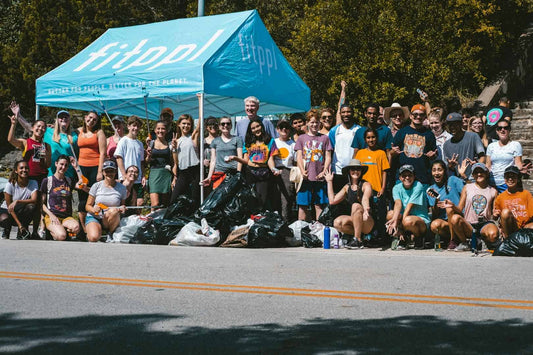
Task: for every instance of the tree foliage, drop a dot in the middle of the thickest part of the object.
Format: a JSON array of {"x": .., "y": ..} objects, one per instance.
[{"x": 384, "y": 49}]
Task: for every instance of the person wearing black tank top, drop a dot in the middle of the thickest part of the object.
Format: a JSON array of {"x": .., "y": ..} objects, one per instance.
[{"x": 358, "y": 193}]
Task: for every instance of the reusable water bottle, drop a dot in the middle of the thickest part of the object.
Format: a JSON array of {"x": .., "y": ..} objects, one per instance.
[
  {"x": 327, "y": 235},
  {"x": 336, "y": 241}
]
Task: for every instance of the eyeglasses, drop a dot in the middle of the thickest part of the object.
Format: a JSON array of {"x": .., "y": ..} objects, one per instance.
[
  {"x": 326, "y": 117},
  {"x": 222, "y": 124},
  {"x": 503, "y": 128}
]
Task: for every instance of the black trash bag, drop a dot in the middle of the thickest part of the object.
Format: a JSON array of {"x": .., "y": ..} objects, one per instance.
[
  {"x": 145, "y": 234},
  {"x": 184, "y": 206},
  {"x": 331, "y": 212},
  {"x": 242, "y": 205},
  {"x": 168, "y": 229},
  {"x": 269, "y": 232},
  {"x": 157, "y": 215},
  {"x": 218, "y": 198},
  {"x": 520, "y": 243},
  {"x": 310, "y": 240}
]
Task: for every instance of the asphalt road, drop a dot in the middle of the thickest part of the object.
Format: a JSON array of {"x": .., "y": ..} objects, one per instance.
[{"x": 68, "y": 297}]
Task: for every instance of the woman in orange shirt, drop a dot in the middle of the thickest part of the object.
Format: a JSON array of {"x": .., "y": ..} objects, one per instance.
[{"x": 92, "y": 145}]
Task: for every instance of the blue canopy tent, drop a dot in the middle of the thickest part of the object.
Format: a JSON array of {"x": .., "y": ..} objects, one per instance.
[{"x": 142, "y": 69}]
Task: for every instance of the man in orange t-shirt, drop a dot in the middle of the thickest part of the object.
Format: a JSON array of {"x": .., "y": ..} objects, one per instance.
[{"x": 515, "y": 205}]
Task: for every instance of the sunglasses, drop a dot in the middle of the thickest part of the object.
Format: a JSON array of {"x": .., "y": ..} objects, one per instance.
[
  {"x": 326, "y": 117},
  {"x": 419, "y": 114},
  {"x": 396, "y": 114},
  {"x": 222, "y": 124},
  {"x": 503, "y": 128}
]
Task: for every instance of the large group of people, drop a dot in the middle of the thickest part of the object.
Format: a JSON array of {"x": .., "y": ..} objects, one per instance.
[{"x": 417, "y": 177}]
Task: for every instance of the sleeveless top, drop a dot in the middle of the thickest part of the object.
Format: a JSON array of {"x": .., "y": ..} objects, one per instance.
[
  {"x": 160, "y": 157},
  {"x": 111, "y": 147},
  {"x": 33, "y": 157},
  {"x": 355, "y": 196},
  {"x": 89, "y": 150}
]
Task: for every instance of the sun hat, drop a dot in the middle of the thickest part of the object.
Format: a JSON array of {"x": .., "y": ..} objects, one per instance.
[
  {"x": 296, "y": 177},
  {"x": 354, "y": 163},
  {"x": 395, "y": 106}
]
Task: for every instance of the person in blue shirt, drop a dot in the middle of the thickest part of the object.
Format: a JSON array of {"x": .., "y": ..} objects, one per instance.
[
  {"x": 251, "y": 106},
  {"x": 416, "y": 145},
  {"x": 384, "y": 133},
  {"x": 409, "y": 219},
  {"x": 448, "y": 188}
]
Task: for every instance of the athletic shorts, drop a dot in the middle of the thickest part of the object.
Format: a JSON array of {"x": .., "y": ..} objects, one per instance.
[
  {"x": 48, "y": 221},
  {"x": 312, "y": 193}
]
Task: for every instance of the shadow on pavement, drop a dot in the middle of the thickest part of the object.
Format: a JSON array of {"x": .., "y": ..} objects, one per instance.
[{"x": 151, "y": 333}]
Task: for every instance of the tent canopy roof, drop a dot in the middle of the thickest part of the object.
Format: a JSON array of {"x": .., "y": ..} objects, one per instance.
[{"x": 166, "y": 64}]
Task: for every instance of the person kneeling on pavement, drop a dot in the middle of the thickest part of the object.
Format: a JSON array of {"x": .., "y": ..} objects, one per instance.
[
  {"x": 409, "y": 220},
  {"x": 105, "y": 204},
  {"x": 358, "y": 193},
  {"x": 57, "y": 201}
]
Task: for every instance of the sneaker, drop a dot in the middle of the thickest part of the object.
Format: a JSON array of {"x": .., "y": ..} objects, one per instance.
[
  {"x": 355, "y": 244},
  {"x": 23, "y": 234},
  {"x": 452, "y": 245},
  {"x": 462, "y": 247},
  {"x": 6, "y": 233}
]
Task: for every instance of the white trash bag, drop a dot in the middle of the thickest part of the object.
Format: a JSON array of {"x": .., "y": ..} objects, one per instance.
[
  {"x": 193, "y": 234},
  {"x": 317, "y": 229},
  {"x": 296, "y": 239},
  {"x": 127, "y": 228}
]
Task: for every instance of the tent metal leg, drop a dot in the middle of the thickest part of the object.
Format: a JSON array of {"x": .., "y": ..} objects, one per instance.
[{"x": 201, "y": 145}]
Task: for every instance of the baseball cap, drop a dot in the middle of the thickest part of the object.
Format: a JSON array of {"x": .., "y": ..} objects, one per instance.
[
  {"x": 62, "y": 113},
  {"x": 454, "y": 117},
  {"x": 418, "y": 107},
  {"x": 481, "y": 166},
  {"x": 406, "y": 167},
  {"x": 167, "y": 110},
  {"x": 118, "y": 119},
  {"x": 109, "y": 164},
  {"x": 512, "y": 169}
]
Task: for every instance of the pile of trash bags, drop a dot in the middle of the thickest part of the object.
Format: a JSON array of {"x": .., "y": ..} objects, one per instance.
[
  {"x": 520, "y": 243},
  {"x": 230, "y": 217}
]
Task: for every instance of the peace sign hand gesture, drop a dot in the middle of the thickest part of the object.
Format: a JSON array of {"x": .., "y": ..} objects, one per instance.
[{"x": 174, "y": 141}]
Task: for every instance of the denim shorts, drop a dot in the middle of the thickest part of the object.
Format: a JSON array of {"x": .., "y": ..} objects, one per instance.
[{"x": 90, "y": 218}]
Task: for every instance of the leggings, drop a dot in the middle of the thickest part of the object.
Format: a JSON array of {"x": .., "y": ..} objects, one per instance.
[
  {"x": 25, "y": 214},
  {"x": 188, "y": 183},
  {"x": 265, "y": 186},
  {"x": 90, "y": 173}
]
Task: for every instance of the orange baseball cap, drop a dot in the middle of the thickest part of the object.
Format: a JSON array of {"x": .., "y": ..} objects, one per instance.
[{"x": 418, "y": 107}]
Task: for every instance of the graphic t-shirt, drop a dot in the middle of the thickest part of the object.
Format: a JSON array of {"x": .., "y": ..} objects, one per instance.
[
  {"x": 502, "y": 157},
  {"x": 32, "y": 155},
  {"x": 455, "y": 187},
  {"x": 377, "y": 162},
  {"x": 494, "y": 115},
  {"x": 60, "y": 196},
  {"x": 520, "y": 204},
  {"x": 478, "y": 206},
  {"x": 313, "y": 153},
  {"x": 414, "y": 144},
  {"x": 415, "y": 195},
  {"x": 259, "y": 152},
  {"x": 287, "y": 156}
]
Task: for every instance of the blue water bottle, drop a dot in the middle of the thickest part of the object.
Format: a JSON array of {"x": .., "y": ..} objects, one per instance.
[
  {"x": 473, "y": 242},
  {"x": 327, "y": 235}
]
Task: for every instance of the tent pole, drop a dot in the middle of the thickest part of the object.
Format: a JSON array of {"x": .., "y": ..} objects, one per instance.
[
  {"x": 201, "y": 145},
  {"x": 146, "y": 113},
  {"x": 200, "y": 8},
  {"x": 36, "y": 112}
]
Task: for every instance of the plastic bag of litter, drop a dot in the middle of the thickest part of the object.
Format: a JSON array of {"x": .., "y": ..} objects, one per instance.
[
  {"x": 520, "y": 243},
  {"x": 127, "y": 229},
  {"x": 296, "y": 227},
  {"x": 194, "y": 234}
]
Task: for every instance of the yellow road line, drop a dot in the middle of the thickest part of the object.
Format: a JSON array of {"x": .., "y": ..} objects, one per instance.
[{"x": 282, "y": 291}]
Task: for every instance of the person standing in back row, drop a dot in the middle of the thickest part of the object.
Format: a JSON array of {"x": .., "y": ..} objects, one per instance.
[{"x": 251, "y": 106}]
